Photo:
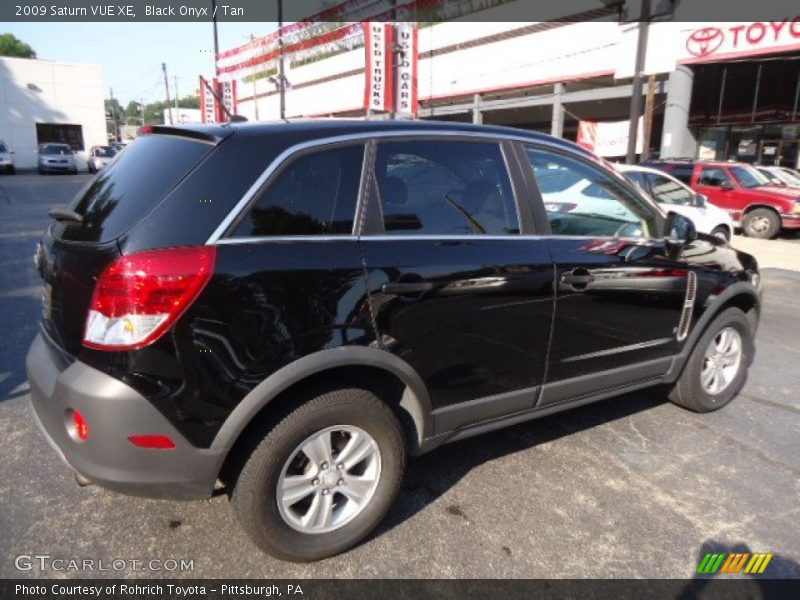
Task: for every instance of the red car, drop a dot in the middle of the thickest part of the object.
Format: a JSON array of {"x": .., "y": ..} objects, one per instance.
[{"x": 759, "y": 208}]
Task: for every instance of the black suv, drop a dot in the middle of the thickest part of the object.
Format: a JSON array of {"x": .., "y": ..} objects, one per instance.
[{"x": 290, "y": 309}]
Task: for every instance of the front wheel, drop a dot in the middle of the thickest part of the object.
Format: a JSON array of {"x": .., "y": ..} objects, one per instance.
[
  {"x": 761, "y": 223},
  {"x": 717, "y": 367},
  {"x": 322, "y": 478},
  {"x": 722, "y": 233}
]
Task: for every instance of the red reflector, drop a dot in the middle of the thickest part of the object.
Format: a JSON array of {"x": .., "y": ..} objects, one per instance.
[
  {"x": 156, "y": 442},
  {"x": 145, "y": 129},
  {"x": 81, "y": 426},
  {"x": 138, "y": 297}
]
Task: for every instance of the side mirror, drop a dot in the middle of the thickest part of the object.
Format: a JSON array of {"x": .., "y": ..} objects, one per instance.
[
  {"x": 700, "y": 200},
  {"x": 726, "y": 185},
  {"x": 679, "y": 230}
]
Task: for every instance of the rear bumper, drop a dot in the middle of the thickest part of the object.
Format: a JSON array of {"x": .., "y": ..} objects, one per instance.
[{"x": 114, "y": 411}]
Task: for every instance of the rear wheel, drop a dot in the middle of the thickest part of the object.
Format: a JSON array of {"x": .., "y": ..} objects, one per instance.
[
  {"x": 722, "y": 233},
  {"x": 322, "y": 478},
  {"x": 761, "y": 223},
  {"x": 717, "y": 367}
]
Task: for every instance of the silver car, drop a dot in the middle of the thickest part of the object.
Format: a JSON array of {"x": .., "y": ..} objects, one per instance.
[{"x": 57, "y": 158}]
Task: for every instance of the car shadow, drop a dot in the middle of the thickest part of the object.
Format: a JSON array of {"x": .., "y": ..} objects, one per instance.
[{"x": 429, "y": 477}]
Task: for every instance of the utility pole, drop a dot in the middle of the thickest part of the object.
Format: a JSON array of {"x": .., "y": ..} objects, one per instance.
[
  {"x": 166, "y": 87},
  {"x": 114, "y": 114},
  {"x": 636, "y": 99},
  {"x": 281, "y": 72},
  {"x": 255, "y": 97},
  {"x": 649, "y": 105},
  {"x": 216, "y": 36},
  {"x": 177, "y": 112}
]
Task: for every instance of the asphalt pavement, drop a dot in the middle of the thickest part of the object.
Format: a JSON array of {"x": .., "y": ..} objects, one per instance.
[{"x": 628, "y": 487}]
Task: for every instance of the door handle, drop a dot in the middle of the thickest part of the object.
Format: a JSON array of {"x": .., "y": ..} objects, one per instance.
[
  {"x": 577, "y": 278},
  {"x": 403, "y": 289}
]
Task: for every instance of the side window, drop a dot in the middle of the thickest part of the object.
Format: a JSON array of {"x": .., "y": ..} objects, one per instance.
[
  {"x": 667, "y": 191},
  {"x": 434, "y": 187},
  {"x": 637, "y": 177},
  {"x": 682, "y": 173},
  {"x": 583, "y": 200},
  {"x": 713, "y": 177},
  {"x": 315, "y": 194}
]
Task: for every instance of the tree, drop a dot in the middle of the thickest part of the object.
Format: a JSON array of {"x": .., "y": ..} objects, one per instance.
[{"x": 11, "y": 46}]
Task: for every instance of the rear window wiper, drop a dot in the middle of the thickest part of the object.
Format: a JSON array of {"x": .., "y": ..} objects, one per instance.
[{"x": 65, "y": 215}]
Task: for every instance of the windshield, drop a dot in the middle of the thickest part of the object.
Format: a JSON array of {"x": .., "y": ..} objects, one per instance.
[
  {"x": 748, "y": 177},
  {"x": 55, "y": 149}
]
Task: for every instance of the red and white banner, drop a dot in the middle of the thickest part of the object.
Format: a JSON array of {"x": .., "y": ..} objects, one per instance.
[
  {"x": 406, "y": 96},
  {"x": 608, "y": 139},
  {"x": 208, "y": 103},
  {"x": 227, "y": 93},
  {"x": 262, "y": 53},
  {"x": 378, "y": 93}
]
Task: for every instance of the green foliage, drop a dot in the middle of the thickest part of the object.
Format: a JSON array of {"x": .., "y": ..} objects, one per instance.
[{"x": 11, "y": 46}]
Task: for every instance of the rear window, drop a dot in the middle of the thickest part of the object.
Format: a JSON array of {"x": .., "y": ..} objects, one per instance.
[{"x": 127, "y": 189}]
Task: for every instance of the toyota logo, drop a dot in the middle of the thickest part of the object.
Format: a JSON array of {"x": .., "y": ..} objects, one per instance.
[{"x": 705, "y": 41}]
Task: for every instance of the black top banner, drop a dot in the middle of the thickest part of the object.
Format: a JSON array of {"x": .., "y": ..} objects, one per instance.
[{"x": 391, "y": 10}]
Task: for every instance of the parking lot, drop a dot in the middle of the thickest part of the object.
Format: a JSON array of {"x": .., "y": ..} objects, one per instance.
[{"x": 629, "y": 487}]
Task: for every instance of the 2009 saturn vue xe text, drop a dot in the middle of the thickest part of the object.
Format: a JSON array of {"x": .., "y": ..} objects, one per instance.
[{"x": 291, "y": 309}]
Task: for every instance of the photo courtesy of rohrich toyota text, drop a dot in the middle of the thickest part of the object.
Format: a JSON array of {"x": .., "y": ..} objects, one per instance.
[{"x": 399, "y": 298}]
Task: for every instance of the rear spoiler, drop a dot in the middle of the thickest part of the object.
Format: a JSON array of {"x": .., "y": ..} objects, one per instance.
[{"x": 211, "y": 134}]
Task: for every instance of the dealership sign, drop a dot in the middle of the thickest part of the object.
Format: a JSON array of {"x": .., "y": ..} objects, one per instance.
[
  {"x": 208, "y": 103},
  {"x": 406, "y": 99},
  {"x": 608, "y": 139},
  {"x": 726, "y": 40},
  {"x": 379, "y": 76}
]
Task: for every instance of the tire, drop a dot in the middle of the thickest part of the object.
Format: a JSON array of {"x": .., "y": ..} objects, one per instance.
[
  {"x": 689, "y": 390},
  {"x": 763, "y": 223},
  {"x": 722, "y": 232},
  {"x": 255, "y": 492}
]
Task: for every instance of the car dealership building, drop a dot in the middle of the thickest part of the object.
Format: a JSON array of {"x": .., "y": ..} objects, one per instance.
[
  {"x": 47, "y": 101},
  {"x": 719, "y": 89}
]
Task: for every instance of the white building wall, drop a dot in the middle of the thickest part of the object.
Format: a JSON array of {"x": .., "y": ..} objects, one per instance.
[{"x": 40, "y": 91}]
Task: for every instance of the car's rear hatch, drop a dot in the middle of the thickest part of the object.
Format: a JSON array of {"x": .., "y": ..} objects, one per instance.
[{"x": 83, "y": 238}]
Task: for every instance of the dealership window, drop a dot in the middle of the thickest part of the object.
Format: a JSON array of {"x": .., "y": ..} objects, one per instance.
[{"x": 60, "y": 133}]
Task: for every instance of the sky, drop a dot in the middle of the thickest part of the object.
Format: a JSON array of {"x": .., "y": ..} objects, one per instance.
[{"x": 131, "y": 53}]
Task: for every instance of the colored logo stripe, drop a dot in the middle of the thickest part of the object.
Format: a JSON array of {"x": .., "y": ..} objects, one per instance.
[
  {"x": 758, "y": 563},
  {"x": 722, "y": 562}
]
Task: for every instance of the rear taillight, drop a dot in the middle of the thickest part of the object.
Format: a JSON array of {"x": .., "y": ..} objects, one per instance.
[{"x": 138, "y": 297}]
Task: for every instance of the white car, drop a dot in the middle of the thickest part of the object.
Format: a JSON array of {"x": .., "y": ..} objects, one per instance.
[
  {"x": 781, "y": 176},
  {"x": 676, "y": 196},
  {"x": 6, "y": 159},
  {"x": 100, "y": 157}
]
